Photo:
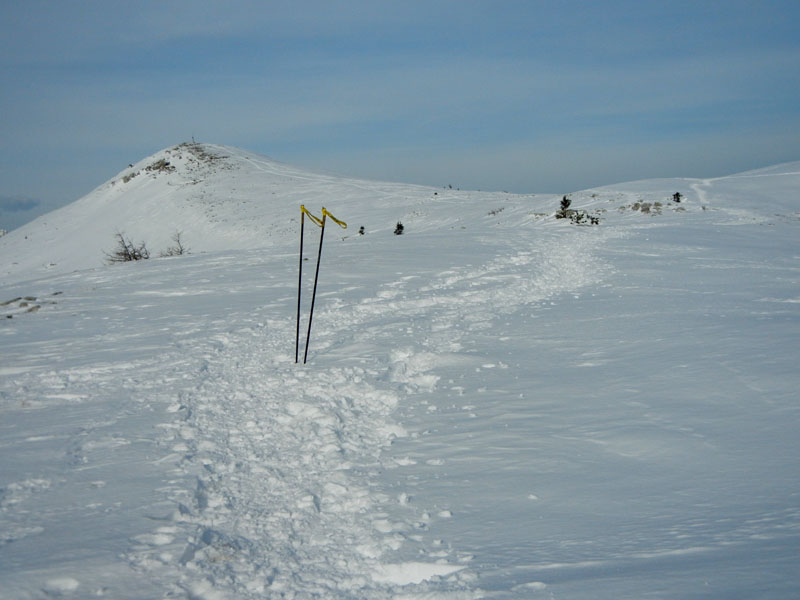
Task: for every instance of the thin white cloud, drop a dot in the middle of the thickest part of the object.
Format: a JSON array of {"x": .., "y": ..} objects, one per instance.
[{"x": 475, "y": 89}]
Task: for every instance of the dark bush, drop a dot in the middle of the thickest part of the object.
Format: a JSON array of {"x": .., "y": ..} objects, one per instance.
[
  {"x": 564, "y": 211},
  {"x": 127, "y": 251}
]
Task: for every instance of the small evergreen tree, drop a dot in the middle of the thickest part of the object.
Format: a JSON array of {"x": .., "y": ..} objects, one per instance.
[
  {"x": 563, "y": 211},
  {"x": 576, "y": 217}
]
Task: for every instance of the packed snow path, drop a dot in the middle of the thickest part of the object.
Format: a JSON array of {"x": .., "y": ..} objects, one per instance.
[
  {"x": 286, "y": 455},
  {"x": 285, "y": 458}
]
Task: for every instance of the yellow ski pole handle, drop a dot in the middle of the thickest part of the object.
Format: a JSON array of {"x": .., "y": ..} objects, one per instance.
[
  {"x": 341, "y": 224},
  {"x": 316, "y": 220}
]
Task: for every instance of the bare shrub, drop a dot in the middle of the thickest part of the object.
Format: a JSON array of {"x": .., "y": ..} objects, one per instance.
[
  {"x": 126, "y": 250},
  {"x": 178, "y": 249}
]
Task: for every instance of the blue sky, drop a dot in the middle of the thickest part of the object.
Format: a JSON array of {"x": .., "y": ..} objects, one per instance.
[{"x": 523, "y": 96}]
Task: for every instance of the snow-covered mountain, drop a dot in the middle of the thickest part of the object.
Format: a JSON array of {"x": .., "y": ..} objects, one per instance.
[
  {"x": 219, "y": 198},
  {"x": 223, "y": 198},
  {"x": 498, "y": 403}
]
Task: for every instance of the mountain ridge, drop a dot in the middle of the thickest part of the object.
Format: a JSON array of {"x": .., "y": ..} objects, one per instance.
[{"x": 224, "y": 198}]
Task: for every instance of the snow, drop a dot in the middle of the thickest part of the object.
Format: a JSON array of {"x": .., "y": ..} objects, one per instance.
[{"x": 497, "y": 403}]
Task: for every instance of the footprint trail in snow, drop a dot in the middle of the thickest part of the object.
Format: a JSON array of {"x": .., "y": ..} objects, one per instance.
[{"x": 286, "y": 456}]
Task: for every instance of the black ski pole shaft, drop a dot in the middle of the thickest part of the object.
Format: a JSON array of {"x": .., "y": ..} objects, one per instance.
[
  {"x": 299, "y": 287},
  {"x": 314, "y": 293}
]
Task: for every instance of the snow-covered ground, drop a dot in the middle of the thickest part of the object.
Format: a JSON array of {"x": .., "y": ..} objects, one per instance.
[{"x": 497, "y": 403}]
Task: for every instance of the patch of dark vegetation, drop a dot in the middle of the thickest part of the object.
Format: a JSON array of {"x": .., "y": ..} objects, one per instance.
[
  {"x": 162, "y": 165},
  {"x": 179, "y": 249},
  {"x": 126, "y": 250},
  {"x": 24, "y": 304},
  {"x": 647, "y": 208},
  {"x": 576, "y": 217}
]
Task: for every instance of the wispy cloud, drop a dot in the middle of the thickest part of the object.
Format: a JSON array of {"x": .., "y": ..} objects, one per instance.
[
  {"x": 16, "y": 210},
  {"x": 458, "y": 82},
  {"x": 17, "y": 203}
]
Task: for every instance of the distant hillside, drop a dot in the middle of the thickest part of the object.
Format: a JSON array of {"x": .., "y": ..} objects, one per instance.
[
  {"x": 224, "y": 198},
  {"x": 219, "y": 198}
]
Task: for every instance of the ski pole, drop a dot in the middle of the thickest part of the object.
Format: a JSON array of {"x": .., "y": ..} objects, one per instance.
[
  {"x": 316, "y": 277},
  {"x": 299, "y": 287},
  {"x": 317, "y": 221}
]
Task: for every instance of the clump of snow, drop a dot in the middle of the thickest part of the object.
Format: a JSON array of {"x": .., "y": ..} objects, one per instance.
[
  {"x": 412, "y": 572},
  {"x": 61, "y": 586}
]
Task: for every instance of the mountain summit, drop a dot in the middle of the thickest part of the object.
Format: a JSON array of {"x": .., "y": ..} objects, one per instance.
[{"x": 218, "y": 197}]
